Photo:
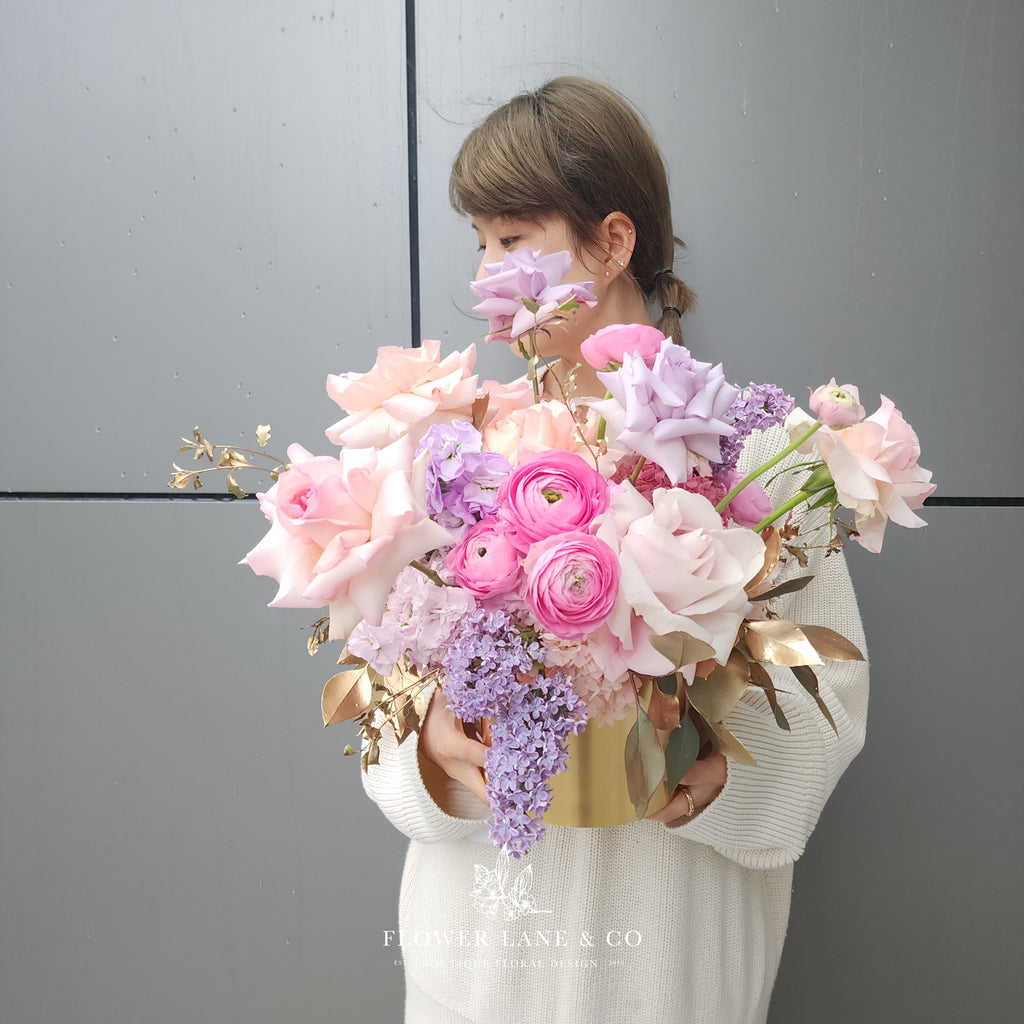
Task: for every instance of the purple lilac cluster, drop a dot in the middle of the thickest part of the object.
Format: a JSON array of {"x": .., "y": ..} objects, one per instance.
[
  {"x": 462, "y": 479},
  {"x": 531, "y": 721},
  {"x": 757, "y": 407}
]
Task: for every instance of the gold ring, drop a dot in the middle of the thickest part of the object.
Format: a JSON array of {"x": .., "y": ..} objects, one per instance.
[{"x": 689, "y": 800}]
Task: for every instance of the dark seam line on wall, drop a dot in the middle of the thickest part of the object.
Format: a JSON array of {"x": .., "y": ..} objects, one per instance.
[
  {"x": 934, "y": 502},
  {"x": 412, "y": 158}
]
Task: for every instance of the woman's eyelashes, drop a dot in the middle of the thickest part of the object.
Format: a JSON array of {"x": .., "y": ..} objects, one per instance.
[{"x": 505, "y": 243}]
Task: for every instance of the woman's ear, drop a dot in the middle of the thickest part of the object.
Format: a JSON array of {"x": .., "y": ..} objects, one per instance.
[{"x": 618, "y": 236}]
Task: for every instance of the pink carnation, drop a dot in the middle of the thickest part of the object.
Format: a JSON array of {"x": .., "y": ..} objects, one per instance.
[
  {"x": 407, "y": 391},
  {"x": 342, "y": 529}
]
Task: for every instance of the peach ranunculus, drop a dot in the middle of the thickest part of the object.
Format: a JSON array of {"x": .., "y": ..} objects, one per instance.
[
  {"x": 342, "y": 529},
  {"x": 407, "y": 391},
  {"x": 681, "y": 570},
  {"x": 874, "y": 466}
]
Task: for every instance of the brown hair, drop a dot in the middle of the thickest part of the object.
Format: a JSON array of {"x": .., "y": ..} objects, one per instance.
[{"x": 577, "y": 149}]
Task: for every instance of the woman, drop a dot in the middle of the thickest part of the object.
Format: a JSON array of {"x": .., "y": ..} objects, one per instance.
[{"x": 680, "y": 916}]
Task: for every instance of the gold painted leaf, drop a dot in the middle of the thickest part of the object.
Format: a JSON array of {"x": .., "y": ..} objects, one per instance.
[
  {"x": 798, "y": 552},
  {"x": 234, "y": 488},
  {"x": 772, "y": 550},
  {"x": 715, "y": 696},
  {"x": 179, "y": 479},
  {"x": 682, "y": 649},
  {"x": 809, "y": 681},
  {"x": 663, "y": 709},
  {"x": 759, "y": 676},
  {"x": 478, "y": 410},
  {"x": 645, "y": 762},
  {"x": 262, "y": 434},
  {"x": 725, "y": 742},
  {"x": 346, "y": 695},
  {"x": 830, "y": 644},
  {"x": 779, "y": 642},
  {"x": 789, "y": 587}
]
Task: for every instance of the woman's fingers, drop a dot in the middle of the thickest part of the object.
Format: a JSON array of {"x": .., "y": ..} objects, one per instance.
[{"x": 443, "y": 740}]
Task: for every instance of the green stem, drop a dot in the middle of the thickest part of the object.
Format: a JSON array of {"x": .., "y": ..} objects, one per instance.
[
  {"x": 636, "y": 470},
  {"x": 791, "y": 504},
  {"x": 429, "y": 573},
  {"x": 752, "y": 476}
]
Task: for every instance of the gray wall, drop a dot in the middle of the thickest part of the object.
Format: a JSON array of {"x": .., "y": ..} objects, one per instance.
[{"x": 204, "y": 211}]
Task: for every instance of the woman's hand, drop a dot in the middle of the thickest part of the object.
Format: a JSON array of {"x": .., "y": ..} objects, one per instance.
[
  {"x": 443, "y": 741},
  {"x": 704, "y": 781}
]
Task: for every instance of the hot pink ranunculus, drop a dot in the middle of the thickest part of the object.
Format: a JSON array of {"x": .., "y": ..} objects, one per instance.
[
  {"x": 874, "y": 466},
  {"x": 485, "y": 562},
  {"x": 571, "y": 583},
  {"x": 342, "y": 529},
  {"x": 681, "y": 570},
  {"x": 553, "y": 492},
  {"x": 609, "y": 346},
  {"x": 837, "y": 405},
  {"x": 406, "y": 392}
]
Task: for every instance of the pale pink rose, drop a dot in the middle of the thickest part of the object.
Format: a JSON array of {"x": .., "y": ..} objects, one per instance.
[
  {"x": 874, "y": 466},
  {"x": 681, "y": 570},
  {"x": 540, "y": 427},
  {"x": 554, "y": 492},
  {"x": 485, "y": 562},
  {"x": 750, "y": 506},
  {"x": 571, "y": 583},
  {"x": 407, "y": 391},
  {"x": 505, "y": 398},
  {"x": 610, "y": 345},
  {"x": 837, "y": 405},
  {"x": 342, "y": 529}
]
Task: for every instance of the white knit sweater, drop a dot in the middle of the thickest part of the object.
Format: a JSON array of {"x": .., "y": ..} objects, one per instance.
[{"x": 637, "y": 922}]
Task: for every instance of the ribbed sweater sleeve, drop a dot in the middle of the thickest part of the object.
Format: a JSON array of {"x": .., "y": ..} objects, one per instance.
[
  {"x": 417, "y": 797},
  {"x": 765, "y": 814}
]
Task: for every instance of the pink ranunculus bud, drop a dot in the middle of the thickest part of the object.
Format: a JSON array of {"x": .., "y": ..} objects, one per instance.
[
  {"x": 608, "y": 348},
  {"x": 571, "y": 583},
  {"x": 837, "y": 405},
  {"x": 553, "y": 492},
  {"x": 750, "y": 506},
  {"x": 485, "y": 562}
]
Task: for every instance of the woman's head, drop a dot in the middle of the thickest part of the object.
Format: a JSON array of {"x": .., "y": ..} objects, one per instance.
[{"x": 577, "y": 150}]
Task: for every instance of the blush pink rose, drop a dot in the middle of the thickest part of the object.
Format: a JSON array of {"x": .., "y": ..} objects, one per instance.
[
  {"x": 874, "y": 466},
  {"x": 837, "y": 405},
  {"x": 485, "y": 562},
  {"x": 609, "y": 347},
  {"x": 554, "y": 492},
  {"x": 571, "y": 583},
  {"x": 342, "y": 529},
  {"x": 681, "y": 570},
  {"x": 540, "y": 427},
  {"x": 406, "y": 392}
]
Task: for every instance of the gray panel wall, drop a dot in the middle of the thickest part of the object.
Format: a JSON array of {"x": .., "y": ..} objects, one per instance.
[{"x": 204, "y": 211}]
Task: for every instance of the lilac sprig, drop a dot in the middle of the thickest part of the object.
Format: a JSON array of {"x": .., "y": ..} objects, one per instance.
[
  {"x": 757, "y": 407},
  {"x": 530, "y": 720}
]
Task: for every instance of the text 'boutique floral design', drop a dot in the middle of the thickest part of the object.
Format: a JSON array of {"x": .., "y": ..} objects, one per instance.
[{"x": 559, "y": 566}]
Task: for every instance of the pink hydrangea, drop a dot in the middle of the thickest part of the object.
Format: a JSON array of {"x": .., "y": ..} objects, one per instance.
[
  {"x": 609, "y": 699},
  {"x": 406, "y": 392}
]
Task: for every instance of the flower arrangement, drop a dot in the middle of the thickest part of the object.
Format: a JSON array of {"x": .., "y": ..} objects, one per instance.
[{"x": 553, "y": 562}]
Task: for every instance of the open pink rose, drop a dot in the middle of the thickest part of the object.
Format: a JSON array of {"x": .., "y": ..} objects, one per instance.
[
  {"x": 571, "y": 583},
  {"x": 554, "y": 492},
  {"x": 485, "y": 562},
  {"x": 874, "y": 466},
  {"x": 837, "y": 405},
  {"x": 407, "y": 391},
  {"x": 342, "y": 529},
  {"x": 540, "y": 427},
  {"x": 610, "y": 345},
  {"x": 681, "y": 570}
]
